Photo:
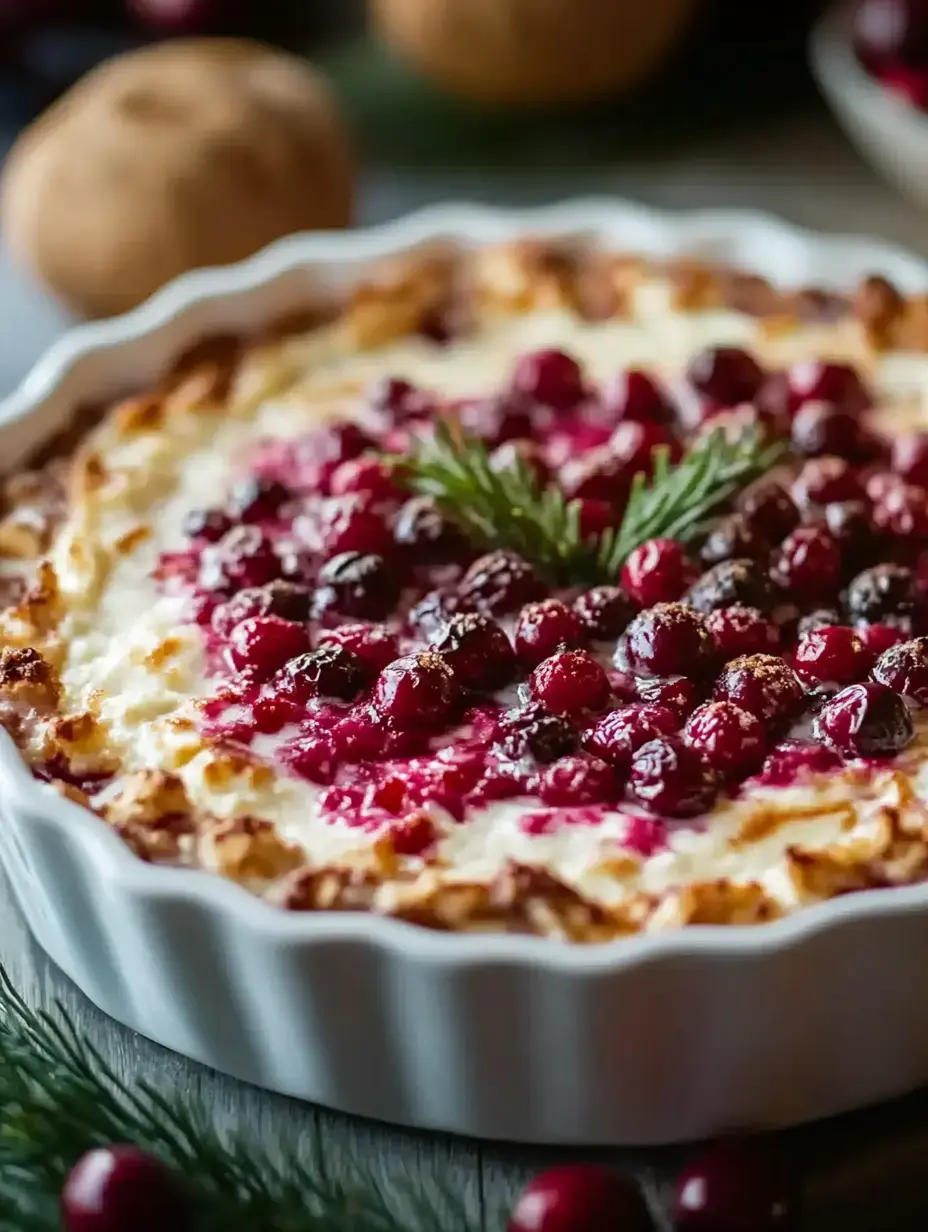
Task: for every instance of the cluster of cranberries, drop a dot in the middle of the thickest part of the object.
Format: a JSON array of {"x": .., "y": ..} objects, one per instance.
[
  {"x": 390, "y": 663},
  {"x": 891, "y": 41}
]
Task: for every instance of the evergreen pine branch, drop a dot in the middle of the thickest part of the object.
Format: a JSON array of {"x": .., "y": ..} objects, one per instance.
[
  {"x": 509, "y": 507},
  {"x": 59, "y": 1098}
]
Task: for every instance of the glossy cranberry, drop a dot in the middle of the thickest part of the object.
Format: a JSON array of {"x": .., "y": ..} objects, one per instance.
[
  {"x": 658, "y": 571},
  {"x": 392, "y": 400},
  {"x": 257, "y": 498},
  {"x": 851, "y": 526},
  {"x": 770, "y": 510},
  {"x": 819, "y": 618},
  {"x": 367, "y": 474},
  {"x": 265, "y": 643},
  {"x": 312, "y": 757},
  {"x": 113, "y": 1188},
  {"x": 580, "y": 1198},
  {"x": 500, "y": 582},
  {"x": 636, "y": 395},
  {"x": 352, "y": 524},
  {"x": 732, "y": 740},
  {"x": 678, "y": 693},
  {"x": 617, "y": 736},
  {"x": 206, "y": 525},
  {"x": 737, "y": 1186},
  {"x": 534, "y": 732},
  {"x": 329, "y": 671},
  {"x": 879, "y": 638},
  {"x": 550, "y": 377},
  {"x": 672, "y": 780},
  {"x": 633, "y": 444},
  {"x": 904, "y": 669},
  {"x": 424, "y": 532},
  {"x": 527, "y": 455},
  {"x": 415, "y": 691},
  {"x": 577, "y": 781},
  {"x": 668, "y": 640},
  {"x": 570, "y": 682},
  {"x": 836, "y": 384},
  {"x": 732, "y": 538},
  {"x": 373, "y": 645},
  {"x": 598, "y": 474},
  {"x": 543, "y": 628},
  {"x": 884, "y": 593},
  {"x": 910, "y": 458},
  {"x": 353, "y": 584},
  {"x": 318, "y": 454},
  {"x": 808, "y": 562},
  {"x": 727, "y": 375},
  {"x": 477, "y": 651},
  {"x": 284, "y": 599},
  {"x": 595, "y": 517},
  {"x": 865, "y": 720},
  {"x": 764, "y": 685},
  {"x": 743, "y": 582},
  {"x": 604, "y": 612},
  {"x": 794, "y": 760},
  {"x": 903, "y": 514},
  {"x": 820, "y": 428},
  {"x": 834, "y": 654},
  {"x": 496, "y": 419},
  {"x": 826, "y": 479},
  {"x": 429, "y": 616},
  {"x": 243, "y": 557},
  {"x": 739, "y": 630}
]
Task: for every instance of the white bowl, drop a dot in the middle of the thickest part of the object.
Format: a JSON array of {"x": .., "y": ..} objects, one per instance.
[
  {"x": 890, "y": 134},
  {"x": 650, "y": 1040}
]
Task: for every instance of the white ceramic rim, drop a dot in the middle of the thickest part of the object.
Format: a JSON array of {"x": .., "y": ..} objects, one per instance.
[{"x": 736, "y": 236}]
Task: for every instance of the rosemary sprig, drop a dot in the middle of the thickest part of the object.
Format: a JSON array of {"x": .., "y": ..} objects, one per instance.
[{"x": 509, "y": 508}]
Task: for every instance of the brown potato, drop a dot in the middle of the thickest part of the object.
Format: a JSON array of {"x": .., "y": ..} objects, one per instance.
[{"x": 184, "y": 154}]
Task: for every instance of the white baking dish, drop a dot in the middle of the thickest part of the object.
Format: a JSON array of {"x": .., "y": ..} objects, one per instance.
[{"x": 649, "y": 1040}]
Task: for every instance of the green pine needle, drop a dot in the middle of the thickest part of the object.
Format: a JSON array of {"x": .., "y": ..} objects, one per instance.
[
  {"x": 509, "y": 508},
  {"x": 59, "y": 1098}
]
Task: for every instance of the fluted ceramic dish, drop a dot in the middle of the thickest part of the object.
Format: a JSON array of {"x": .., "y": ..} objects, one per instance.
[{"x": 648, "y": 1040}]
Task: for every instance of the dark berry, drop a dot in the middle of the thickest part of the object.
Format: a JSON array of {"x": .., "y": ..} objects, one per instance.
[
  {"x": 243, "y": 557},
  {"x": 551, "y": 378},
  {"x": 477, "y": 651},
  {"x": 743, "y": 582},
  {"x": 112, "y": 1188},
  {"x": 356, "y": 585},
  {"x": 374, "y": 646},
  {"x": 617, "y": 736},
  {"x": 423, "y": 530},
  {"x": 577, "y": 780},
  {"x": 736, "y": 1186},
  {"x": 598, "y": 474},
  {"x": 734, "y": 537},
  {"x": 393, "y": 400},
  {"x": 904, "y": 669},
  {"x": 807, "y": 562},
  {"x": 739, "y": 630},
  {"x": 543, "y": 628},
  {"x": 658, "y": 571},
  {"x": 910, "y": 458},
  {"x": 732, "y": 740},
  {"x": 604, "y": 612},
  {"x": 818, "y": 619},
  {"x": 879, "y": 638},
  {"x": 834, "y": 654},
  {"x": 496, "y": 419},
  {"x": 820, "y": 428},
  {"x": 284, "y": 599},
  {"x": 770, "y": 510},
  {"x": 352, "y": 524},
  {"x": 329, "y": 671},
  {"x": 636, "y": 395},
  {"x": 596, "y": 516},
  {"x": 532, "y": 731},
  {"x": 367, "y": 474},
  {"x": 837, "y": 384},
  {"x": 903, "y": 514},
  {"x": 415, "y": 691},
  {"x": 256, "y": 498},
  {"x": 851, "y": 526},
  {"x": 726, "y": 375},
  {"x": 827, "y": 479},
  {"x": 668, "y": 640},
  {"x": 570, "y": 682},
  {"x": 633, "y": 444},
  {"x": 265, "y": 643},
  {"x": 763, "y": 684},
  {"x": 500, "y": 582},
  {"x": 580, "y": 1198},
  {"x": 677, "y": 693},
  {"x": 882, "y": 593},
  {"x": 317, "y": 455},
  {"x": 672, "y": 780},
  {"x": 207, "y": 525},
  {"x": 866, "y": 720}
]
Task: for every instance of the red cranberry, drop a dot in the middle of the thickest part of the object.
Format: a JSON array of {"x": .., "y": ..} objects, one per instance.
[
  {"x": 633, "y": 443},
  {"x": 820, "y": 428},
  {"x": 657, "y": 572},
  {"x": 318, "y": 454},
  {"x": 551, "y": 378},
  {"x": 763, "y": 684},
  {"x": 794, "y": 760},
  {"x": 576, "y": 781},
  {"x": 737, "y": 1186},
  {"x": 726, "y": 375},
  {"x": 837, "y": 384},
  {"x": 878, "y": 483},
  {"x": 636, "y": 395},
  {"x": 243, "y": 557},
  {"x": 543, "y": 628},
  {"x": 312, "y": 757},
  {"x": 595, "y": 517},
  {"x": 731, "y": 739},
  {"x": 330, "y": 671},
  {"x": 206, "y": 525},
  {"x": 743, "y": 582},
  {"x": 739, "y": 630},
  {"x": 826, "y": 479},
  {"x": 668, "y": 640},
  {"x": 265, "y": 643},
  {"x": 570, "y": 682},
  {"x": 677, "y": 693},
  {"x": 393, "y": 400},
  {"x": 424, "y": 531},
  {"x": 113, "y": 1188},
  {"x": 353, "y": 584},
  {"x": 732, "y": 538},
  {"x": 903, "y": 513},
  {"x": 604, "y": 612},
  {"x": 500, "y": 582},
  {"x": 879, "y": 638},
  {"x": 617, "y": 736},
  {"x": 415, "y": 691},
  {"x": 580, "y": 1198},
  {"x": 881, "y": 594},
  {"x": 910, "y": 458},
  {"x": 477, "y": 651},
  {"x": 817, "y": 619},
  {"x": 672, "y": 780},
  {"x": 533, "y": 731},
  {"x": 769, "y": 510},
  {"x": 598, "y": 474},
  {"x": 258, "y": 498},
  {"x": 808, "y": 562},
  {"x": 412, "y": 835},
  {"x": 865, "y": 720},
  {"x": 524, "y": 454},
  {"x": 373, "y": 645},
  {"x": 284, "y": 599},
  {"x": 433, "y": 611},
  {"x": 904, "y": 669},
  {"x": 834, "y": 654},
  {"x": 367, "y": 474},
  {"x": 350, "y": 524},
  {"x": 496, "y": 419}
]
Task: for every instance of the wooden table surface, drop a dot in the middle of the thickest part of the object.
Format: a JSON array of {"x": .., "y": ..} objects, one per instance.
[{"x": 866, "y": 1173}]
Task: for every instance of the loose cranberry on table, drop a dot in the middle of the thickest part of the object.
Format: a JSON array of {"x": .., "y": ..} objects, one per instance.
[
  {"x": 739, "y": 630},
  {"x": 736, "y": 1186},
  {"x": 477, "y": 651},
  {"x": 904, "y": 669},
  {"x": 658, "y": 571},
  {"x": 769, "y": 509},
  {"x": 570, "y": 682},
  {"x": 866, "y": 720},
  {"x": 840, "y": 385},
  {"x": 764, "y": 685},
  {"x": 668, "y": 640},
  {"x": 114, "y": 1188},
  {"x": 636, "y": 395},
  {"x": 415, "y": 691},
  {"x": 807, "y": 562},
  {"x": 545, "y": 627},
  {"x": 670, "y": 779},
  {"x": 726, "y": 375},
  {"x": 265, "y": 643},
  {"x": 330, "y": 671},
  {"x": 580, "y": 1198},
  {"x": 552, "y": 378},
  {"x": 732, "y": 740},
  {"x": 577, "y": 780},
  {"x": 834, "y": 654},
  {"x": 500, "y": 582},
  {"x": 604, "y": 612},
  {"x": 532, "y": 731},
  {"x": 617, "y": 736}
]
